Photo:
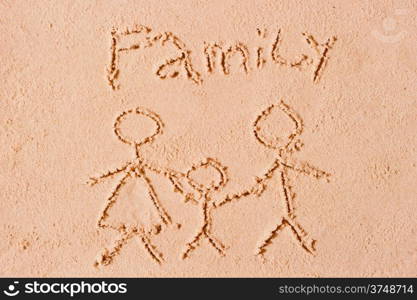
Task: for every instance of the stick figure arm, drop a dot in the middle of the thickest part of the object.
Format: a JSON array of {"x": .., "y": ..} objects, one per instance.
[
  {"x": 256, "y": 189},
  {"x": 97, "y": 179},
  {"x": 169, "y": 173},
  {"x": 229, "y": 198},
  {"x": 277, "y": 165},
  {"x": 176, "y": 179},
  {"x": 307, "y": 169},
  {"x": 190, "y": 194},
  {"x": 173, "y": 176}
]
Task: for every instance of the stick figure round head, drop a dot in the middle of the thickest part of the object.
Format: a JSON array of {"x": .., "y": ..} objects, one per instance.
[
  {"x": 288, "y": 122},
  {"x": 208, "y": 175},
  {"x": 145, "y": 114}
]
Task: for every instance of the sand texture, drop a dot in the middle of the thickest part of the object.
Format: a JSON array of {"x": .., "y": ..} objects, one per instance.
[{"x": 208, "y": 138}]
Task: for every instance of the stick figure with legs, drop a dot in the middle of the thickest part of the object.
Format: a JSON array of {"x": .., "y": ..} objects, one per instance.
[
  {"x": 135, "y": 169},
  {"x": 284, "y": 146},
  {"x": 206, "y": 189}
]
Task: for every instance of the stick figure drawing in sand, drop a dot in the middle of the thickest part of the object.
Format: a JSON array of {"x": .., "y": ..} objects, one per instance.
[
  {"x": 144, "y": 215},
  {"x": 147, "y": 216},
  {"x": 205, "y": 187},
  {"x": 284, "y": 145}
]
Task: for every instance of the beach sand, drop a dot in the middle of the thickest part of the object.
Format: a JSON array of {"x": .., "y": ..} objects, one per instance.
[{"x": 235, "y": 138}]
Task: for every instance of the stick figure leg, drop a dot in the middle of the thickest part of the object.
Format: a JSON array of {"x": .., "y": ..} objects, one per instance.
[
  {"x": 149, "y": 247},
  {"x": 306, "y": 242},
  {"x": 107, "y": 256},
  {"x": 273, "y": 234},
  {"x": 301, "y": 235},
  {"x": 216, "y": 243},
  {"x": 191, "y": 246}
]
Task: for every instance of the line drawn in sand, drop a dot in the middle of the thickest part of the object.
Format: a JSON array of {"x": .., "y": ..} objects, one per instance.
[
  {"x": 201, "y": 191},
  {"x": 206, "y": 190},
  {"x": 214, "y": 50},
  {"x": 284, "y": 147},
  {"x": 171, "y": 68},
  {"x": 138, "y": 169},
  {"x": 217, "y": 55}
]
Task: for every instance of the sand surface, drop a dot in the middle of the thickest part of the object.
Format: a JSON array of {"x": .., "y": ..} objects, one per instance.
[{"x": 208, "y": 138}]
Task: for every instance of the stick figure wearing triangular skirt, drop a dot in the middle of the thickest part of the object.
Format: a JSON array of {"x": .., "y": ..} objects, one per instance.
[{"x": 152, "y": 216}]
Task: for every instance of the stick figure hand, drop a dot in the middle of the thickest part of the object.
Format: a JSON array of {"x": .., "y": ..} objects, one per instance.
[
  {"x": 192, "y": 198},
  {"x": 182, "y": 186},
  {"x": 327, "y": 176},
  {"x": 259, "y": 187},
  {"x": 319, "y": 174},
  {"x": 92, "y": 181}
]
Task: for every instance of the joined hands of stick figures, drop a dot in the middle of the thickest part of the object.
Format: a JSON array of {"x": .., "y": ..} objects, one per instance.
[{"x": 202, "y": 193}]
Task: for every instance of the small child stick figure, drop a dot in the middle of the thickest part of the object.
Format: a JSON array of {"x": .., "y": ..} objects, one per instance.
[
  {"x": 206, "y": 189},
  {"x": 137, "y": 169},
  {"x": 284, "y": 147}
]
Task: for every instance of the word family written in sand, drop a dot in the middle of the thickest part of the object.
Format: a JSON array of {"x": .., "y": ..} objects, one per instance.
[{"x": 217, "y": 56}]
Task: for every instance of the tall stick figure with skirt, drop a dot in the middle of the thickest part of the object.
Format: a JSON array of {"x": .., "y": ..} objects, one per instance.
[{"x": 144, "y": 215}]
